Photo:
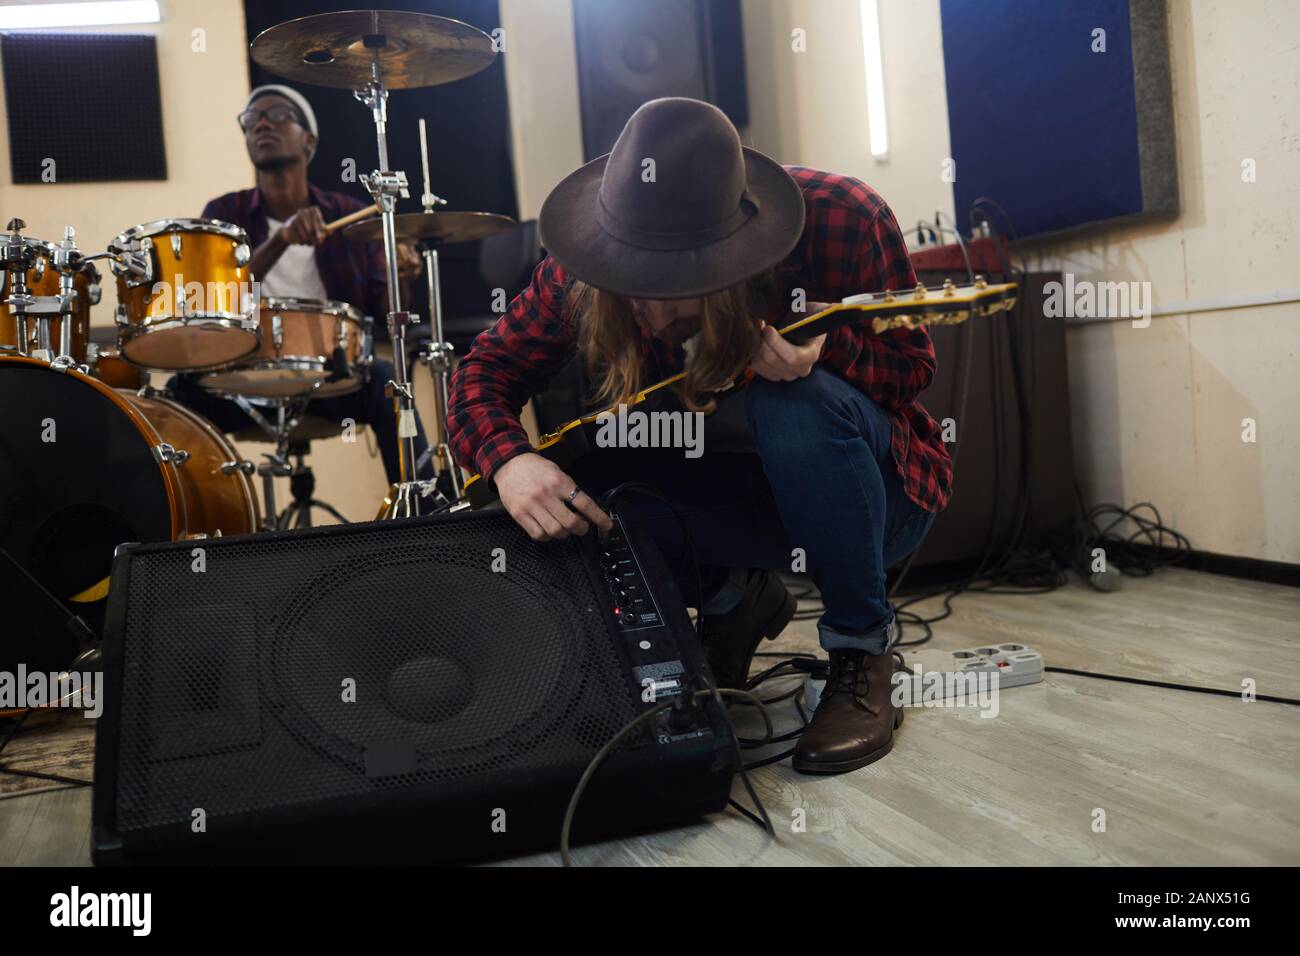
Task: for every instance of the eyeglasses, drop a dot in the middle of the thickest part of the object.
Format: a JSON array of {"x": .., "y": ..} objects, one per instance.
[{"x": 276, "y": 114}]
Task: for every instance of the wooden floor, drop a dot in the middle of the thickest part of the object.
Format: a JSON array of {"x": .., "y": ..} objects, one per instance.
[{"x": 1182, "y": 778}]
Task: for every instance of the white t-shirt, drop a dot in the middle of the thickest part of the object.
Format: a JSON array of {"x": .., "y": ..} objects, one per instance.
[{"x": 295, "y": 274}]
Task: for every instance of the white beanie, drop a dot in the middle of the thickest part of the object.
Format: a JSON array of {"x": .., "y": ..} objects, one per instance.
[{"x": 294, "y": 97}]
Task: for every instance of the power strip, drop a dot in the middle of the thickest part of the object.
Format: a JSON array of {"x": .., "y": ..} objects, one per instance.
[{"x": 1015, "y": 664}]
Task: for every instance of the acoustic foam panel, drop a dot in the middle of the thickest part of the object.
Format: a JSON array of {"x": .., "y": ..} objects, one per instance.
[
  {"x": 1060, "y": 135},
  {"x": 88, "y": 101}
]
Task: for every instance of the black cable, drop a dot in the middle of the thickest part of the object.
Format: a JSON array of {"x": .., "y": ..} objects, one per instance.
[
  {"x": 13, "y": 731},
  {"x": 633, "y": 724},
  {"x": 747, "y": 812},
  {"x": 12, "y": 771},
  {"x": 38, "y": 775},
  {"x": 709, "y": 690},
  {"x": 1218, "y": 691},
  {"x": 1137, "y": 554}
]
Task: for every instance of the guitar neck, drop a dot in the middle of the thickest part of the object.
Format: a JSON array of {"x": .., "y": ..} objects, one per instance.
[
  {"x": 948, "y": 304},
  {"x": 827, "y": 320}
]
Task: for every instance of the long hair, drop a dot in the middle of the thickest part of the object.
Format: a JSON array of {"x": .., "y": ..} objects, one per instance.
[{"x": 609, "y": 340}]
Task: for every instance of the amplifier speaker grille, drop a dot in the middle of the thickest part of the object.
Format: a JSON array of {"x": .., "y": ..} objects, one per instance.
[{"x": 234, "y": 677}]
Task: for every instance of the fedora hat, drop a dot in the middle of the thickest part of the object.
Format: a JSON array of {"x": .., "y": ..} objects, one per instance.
[{"x": 677, "y": 209}]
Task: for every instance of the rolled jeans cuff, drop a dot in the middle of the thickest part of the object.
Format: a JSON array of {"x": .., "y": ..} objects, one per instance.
[{"x": 875, "y": 642}]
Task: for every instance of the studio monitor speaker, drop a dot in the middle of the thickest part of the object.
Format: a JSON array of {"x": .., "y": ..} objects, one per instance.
[
  {"x": 409, "y": 691},
  {"x": 633, "y": 51}
]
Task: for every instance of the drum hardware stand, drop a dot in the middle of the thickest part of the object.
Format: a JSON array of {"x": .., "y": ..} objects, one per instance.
[
  {"x": 17, "y": 258},
  {"x": 302, "y": 485},
  {"x": 302, "y": 482},
  {"x": 385, "y": 186},
  {"x": 66, "y": 259},
  {"x": 438, "y": 357},
  {"x": 277, "y": 462}
]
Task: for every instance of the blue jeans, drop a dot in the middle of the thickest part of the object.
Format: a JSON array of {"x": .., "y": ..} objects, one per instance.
[{"x": 823, "y": 480}]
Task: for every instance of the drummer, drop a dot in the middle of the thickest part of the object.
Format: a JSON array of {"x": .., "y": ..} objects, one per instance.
[{"x": 285, "y": 217}]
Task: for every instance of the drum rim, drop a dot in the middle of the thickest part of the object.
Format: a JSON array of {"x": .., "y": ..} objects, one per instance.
[
  {"x": 171, "y": 481},
  {"x": 294, "y": 363},
  {"x": 157, "y": 227},
  {"x": 289, "y": 303},
  {"x": 223, "y": 443},
  {"x": 141, "y": 330},
  {"x": 44, "y": 245}
]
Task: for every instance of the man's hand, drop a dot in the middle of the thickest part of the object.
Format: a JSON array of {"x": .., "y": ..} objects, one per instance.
[
  {"x": 409, "y": 262},
  {"x": 780, "y": 361},
  {"x": 535, "y": 491},
  {"x": 306, "y": 227}
]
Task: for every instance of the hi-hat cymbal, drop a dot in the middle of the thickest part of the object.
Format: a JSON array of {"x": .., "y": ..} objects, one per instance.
[
  {"x": 338, "y": 49},
  {"x": 441, "y": 226}
]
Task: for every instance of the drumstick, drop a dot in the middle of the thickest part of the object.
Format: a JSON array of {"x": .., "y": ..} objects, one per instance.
[{"x": 351, "y": 218}]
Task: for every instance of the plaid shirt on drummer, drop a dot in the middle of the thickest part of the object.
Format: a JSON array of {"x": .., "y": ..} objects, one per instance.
[
  {"x": 851, "y": 243},
  {"x": 353, "y": 272}
]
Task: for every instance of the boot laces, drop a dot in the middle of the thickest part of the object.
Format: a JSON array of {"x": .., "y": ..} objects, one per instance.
[{"x": 846, "y": 668}]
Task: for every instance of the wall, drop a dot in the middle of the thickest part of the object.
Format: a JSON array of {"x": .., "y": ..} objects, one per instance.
[
  {"x": 1157, "y": 412},
  {"x": 542, "y": 87}
]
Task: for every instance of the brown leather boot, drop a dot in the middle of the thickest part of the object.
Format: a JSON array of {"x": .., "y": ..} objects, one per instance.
[
  {"x": 855, "y": 719},
  {"x": 732, "y": 639}
]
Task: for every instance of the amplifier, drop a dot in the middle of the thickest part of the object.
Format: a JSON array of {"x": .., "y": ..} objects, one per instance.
[{"x": 416, "y": 691}]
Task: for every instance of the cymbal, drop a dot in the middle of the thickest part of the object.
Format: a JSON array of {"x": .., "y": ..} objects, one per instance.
[
  {"x": 338, "y": 49},
  {"x": 442, "y": 226}
]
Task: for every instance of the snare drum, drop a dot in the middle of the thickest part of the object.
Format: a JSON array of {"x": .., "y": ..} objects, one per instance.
[
  {"x": 43, "y": 280},
  {"x": 184, "y": 294},
  {"x": 309, "y": 347}
]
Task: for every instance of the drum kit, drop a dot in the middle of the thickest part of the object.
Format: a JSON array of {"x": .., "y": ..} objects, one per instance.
[{"x": 93, "y": 457}]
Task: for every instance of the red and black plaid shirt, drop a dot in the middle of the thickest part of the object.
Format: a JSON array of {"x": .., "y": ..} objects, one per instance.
[{"x": 851, "y": 243}]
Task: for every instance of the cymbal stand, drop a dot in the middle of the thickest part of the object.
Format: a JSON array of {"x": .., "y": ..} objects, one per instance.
[
  {"x": 438, "y": 357},
  {"x": 385, "y": 186}
]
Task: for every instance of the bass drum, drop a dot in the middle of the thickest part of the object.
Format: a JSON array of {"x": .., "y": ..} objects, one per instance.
[{"x": 85, "y": 467}]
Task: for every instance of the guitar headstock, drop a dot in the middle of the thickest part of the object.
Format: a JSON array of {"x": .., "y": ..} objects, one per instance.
[{"x": 948, "y": 304}]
